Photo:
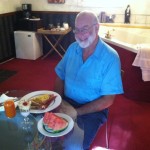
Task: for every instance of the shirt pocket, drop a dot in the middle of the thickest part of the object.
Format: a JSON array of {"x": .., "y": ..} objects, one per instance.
[{"x": 95, "y": 84}]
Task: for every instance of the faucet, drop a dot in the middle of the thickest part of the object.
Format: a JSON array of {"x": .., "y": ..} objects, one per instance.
[{"x": 108, "y": 34}]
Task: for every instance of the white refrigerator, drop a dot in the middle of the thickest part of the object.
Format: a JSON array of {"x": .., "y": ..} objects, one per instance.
[{"x": 28, "y": 45}]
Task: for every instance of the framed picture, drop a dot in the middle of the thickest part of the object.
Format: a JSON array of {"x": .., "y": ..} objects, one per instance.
[{"x": 56, "y": 1}]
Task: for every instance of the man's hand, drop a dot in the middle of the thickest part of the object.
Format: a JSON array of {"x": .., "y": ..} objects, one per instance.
[{"x": 66, "y": 108}]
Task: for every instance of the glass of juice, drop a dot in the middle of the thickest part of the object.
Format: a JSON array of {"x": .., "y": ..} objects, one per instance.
[{"x": 10, "y": 109}]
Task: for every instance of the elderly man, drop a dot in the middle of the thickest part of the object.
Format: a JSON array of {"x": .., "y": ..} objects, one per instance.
[{"x": 89, "y": 75}]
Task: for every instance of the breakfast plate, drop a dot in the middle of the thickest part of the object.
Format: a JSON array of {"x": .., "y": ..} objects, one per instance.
[
  {"x": 54, "y": 104},
  {"x": 64, "y": 132}
]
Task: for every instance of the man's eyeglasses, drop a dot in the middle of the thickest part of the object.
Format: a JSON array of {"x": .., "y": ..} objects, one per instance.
[{"x": 83, "y": 30}]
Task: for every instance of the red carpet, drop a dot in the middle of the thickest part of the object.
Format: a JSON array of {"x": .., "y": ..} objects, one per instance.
[
  {"x": 31, "y": 74},
  {"x": 128, "y": 126},
  {"x": 128, "y": 123}
]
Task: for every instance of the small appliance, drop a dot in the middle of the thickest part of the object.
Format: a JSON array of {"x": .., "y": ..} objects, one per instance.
[{"x": 26, "y": 8}]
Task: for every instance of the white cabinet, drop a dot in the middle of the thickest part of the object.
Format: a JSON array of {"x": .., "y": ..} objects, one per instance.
[{"x": 28, "y": 45}]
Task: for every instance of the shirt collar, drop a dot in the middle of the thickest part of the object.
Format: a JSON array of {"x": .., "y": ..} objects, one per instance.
[
  {"x": 79, "y": 49},
  {"x": 98, "y": 49},
  {"x": 96, "y": 52}
]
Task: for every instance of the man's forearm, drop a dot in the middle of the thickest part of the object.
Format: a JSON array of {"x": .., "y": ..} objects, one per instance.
[
  {"x": 59, "y": 86},
  {"x": 96, "y": 105}
]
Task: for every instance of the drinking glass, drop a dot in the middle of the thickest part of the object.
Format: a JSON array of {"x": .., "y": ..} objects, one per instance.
[
  {"x": 24, "y": 107},
  {"x": 10, "y": 109}
]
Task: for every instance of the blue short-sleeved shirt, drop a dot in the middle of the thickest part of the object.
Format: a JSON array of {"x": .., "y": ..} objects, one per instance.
[{"x": 86, "y": 81}]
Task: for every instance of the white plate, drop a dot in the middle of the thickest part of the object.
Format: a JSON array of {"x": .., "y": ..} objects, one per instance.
[
  {"x": 67, "y": 130},
  {"x": 2, "y": 107},
  {"x": 52, "y": 105}
]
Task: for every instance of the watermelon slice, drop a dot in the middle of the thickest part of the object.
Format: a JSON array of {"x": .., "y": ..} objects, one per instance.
[
  {"x": 46, "y": 118},
  {"x": 53, "y": 123},
  {"x": 48, "y": 129}
]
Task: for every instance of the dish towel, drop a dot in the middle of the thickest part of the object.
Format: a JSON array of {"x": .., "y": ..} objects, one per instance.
[{"x": 142, "y": 60}]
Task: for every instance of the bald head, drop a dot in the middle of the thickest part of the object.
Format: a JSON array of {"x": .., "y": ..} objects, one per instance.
[
  {"x": 86, "y": 29},
  {"x": 87, "y": 16}
]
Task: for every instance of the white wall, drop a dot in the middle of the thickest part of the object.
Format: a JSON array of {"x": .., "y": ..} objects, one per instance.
[
  {"x": 9, "y": 5},
  {"x": 139, "y": 8}
]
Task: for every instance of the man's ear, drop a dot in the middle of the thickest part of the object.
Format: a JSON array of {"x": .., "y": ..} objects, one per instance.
[{"x": 97, "y": 27}]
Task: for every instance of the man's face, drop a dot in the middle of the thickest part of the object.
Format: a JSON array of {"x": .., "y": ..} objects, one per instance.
[
  {"x": 85, "y": 36},
  {"x": 85, "y": 33}
]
